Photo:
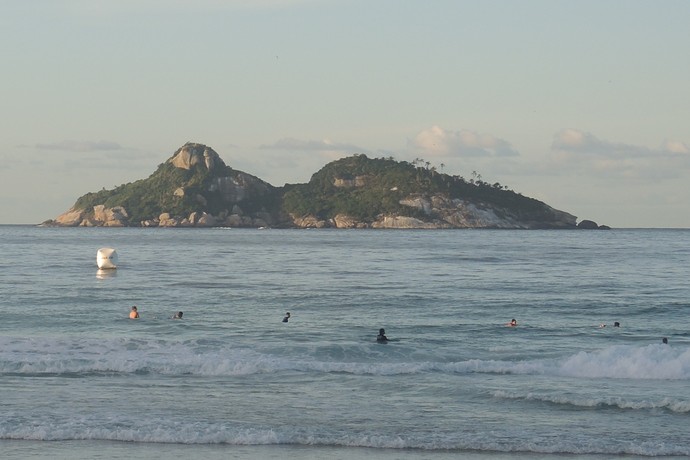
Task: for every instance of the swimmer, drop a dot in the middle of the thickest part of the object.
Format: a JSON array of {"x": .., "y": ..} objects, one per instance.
[
  {"x": 381, "y": 338},
  {"x": 664, "y": 341},
  {"x": 602, "y": 325},
  {"x": 177, "y": 315},
  {"x": 286, "y": 318},
  {"x": 134, "y": 314},
  {"x": 512, "y": 323},
  {"x": 616, "y": 324}
]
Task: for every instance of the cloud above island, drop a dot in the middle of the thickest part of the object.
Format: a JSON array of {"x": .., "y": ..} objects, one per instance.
[
  {"x": 436, "y": 141},
  {"x": 582, "y": 150},
  {"x": 323, "y": 146},
  {"x": 574, "y": 141}
]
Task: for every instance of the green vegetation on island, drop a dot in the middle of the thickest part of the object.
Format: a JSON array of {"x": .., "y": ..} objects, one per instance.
[
  {"x": 177, "y": 191},
  {"x": 371, "y": 187},
  {"x": 152, "y": 196}
]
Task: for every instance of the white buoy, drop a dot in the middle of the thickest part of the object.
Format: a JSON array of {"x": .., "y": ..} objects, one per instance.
[{"x": 106, "y": 258}]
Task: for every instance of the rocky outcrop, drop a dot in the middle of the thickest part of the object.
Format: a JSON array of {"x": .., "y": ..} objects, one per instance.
[
  {"x": 191, "y": 154},
  {"x": 440, "y": 212},
  {"x": 110, "y": 217},
  {"x": 99, "y": 216},
  {"x": 357, "y": 181},
  {"x": 591, "y": 225},
  {"x": 458, "y": 213},
  {"x": 239, "y": 187},
  {"x": 345, "y": 221},
  {"x": 231, "y": 188},
  {"x": 203, "y": 219},
  {"x": 406, "y": 222},
  {"x": 71, "y": 218}
]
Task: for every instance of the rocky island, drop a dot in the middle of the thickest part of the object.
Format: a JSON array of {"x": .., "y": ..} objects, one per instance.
[{"x": 195, "y": 188}]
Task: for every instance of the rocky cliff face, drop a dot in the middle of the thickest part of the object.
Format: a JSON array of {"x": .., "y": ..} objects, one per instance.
[
  {"x": 99, "y": 216},
  {"x": 190, "y": 155},
  {"x": 232, "y": 188},
  {"x": 441, "y": 212}
]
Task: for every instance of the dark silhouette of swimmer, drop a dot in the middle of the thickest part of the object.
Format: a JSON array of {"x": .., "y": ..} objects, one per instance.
[
  {"x": 177, "y": 315},
  {"x": 286, "y": 317},
  {"x": 381, "y": 338},
  {"x": 664, "y": 340},
  {"x": 616, "y": 324}
]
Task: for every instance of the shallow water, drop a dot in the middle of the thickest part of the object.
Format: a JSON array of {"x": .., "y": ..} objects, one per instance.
[{"x": 230, "y": 378}]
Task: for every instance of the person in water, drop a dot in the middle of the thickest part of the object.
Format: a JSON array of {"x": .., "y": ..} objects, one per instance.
[
  {"x": 616, "y": 324},
  {"x": 286, "y": 318},
  {"x": 381, "y": 338},
  {"x": 177, "y": 315},
  {"x": 512, "y": 323},
  {"x": 664, "y": 341},
  {"x": 134, "y": 313}
]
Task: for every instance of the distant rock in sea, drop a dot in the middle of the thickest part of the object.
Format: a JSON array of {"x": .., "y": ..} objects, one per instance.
[{"x": 591, "y": 225}]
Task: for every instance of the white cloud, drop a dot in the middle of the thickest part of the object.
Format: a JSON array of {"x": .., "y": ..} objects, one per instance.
[
  {"x": 574, "y": 141},
  {"x": 578, "y": 150},
  {"x": 675, "y": 147},
  {"x": 325, "y": 145},
  {"x": 80, "y": 146},
  {"x": 437, "y": 141}
]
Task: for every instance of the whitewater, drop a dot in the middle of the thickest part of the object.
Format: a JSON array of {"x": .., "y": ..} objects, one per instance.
[{"x": 79, "y": 379}]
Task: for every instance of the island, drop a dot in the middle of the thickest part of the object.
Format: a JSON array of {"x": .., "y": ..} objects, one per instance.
[{"x": 195, "y": 188}]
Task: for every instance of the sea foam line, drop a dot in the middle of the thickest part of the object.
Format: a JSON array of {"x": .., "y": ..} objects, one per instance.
[
  {"x": 670, "y": 404},
  {"x": 67, "y": 358},
  {"x": 141, "y": 429}
]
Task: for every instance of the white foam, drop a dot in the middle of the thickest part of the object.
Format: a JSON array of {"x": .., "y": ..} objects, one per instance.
[
  {"x": 628, "y": 362},
  {"x": 670, "y": 404},
  {"x": 85, "y": 356},
  {"x": 141, "y": 429},
  {"x": 622, "y": 361}
]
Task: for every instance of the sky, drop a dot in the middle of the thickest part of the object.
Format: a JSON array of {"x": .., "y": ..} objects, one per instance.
[{"x": 584, "y": 105}]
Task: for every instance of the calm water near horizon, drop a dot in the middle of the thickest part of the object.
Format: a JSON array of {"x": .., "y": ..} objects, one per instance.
[{"x": 80, "y": 380}]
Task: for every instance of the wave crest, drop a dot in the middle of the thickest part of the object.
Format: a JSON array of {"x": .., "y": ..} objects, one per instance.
[{"x": 79, "y": 357}]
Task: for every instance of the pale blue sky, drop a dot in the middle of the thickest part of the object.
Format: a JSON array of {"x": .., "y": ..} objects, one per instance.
[{"x": 584, "y": 105}]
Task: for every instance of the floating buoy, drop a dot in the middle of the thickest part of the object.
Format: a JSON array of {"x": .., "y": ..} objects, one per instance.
[{"x": 106, "y": 258}]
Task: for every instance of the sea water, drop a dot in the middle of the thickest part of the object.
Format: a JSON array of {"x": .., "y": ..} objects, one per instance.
[{"x": 78, "y": 379}]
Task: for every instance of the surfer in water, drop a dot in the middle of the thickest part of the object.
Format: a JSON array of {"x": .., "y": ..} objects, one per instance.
[
  {"x": 286, "y": 318},
  {"x": 381, "y": 338},
  {"x": 177, "y": 315},
  {"x": 134, "y": 313}
]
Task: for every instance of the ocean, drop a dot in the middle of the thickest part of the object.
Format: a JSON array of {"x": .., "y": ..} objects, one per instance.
[{"x": 79, "y": 379}]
